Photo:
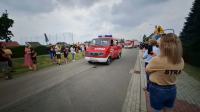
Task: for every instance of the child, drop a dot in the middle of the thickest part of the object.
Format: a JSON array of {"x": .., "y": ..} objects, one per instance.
[{"x": 34, "y": 58}]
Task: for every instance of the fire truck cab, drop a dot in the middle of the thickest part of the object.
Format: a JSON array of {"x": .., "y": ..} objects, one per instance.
[{"x": 103, "y": 49}]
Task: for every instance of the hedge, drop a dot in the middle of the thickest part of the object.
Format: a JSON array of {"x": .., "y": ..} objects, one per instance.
[
  {"x": 18, "y": 52},
  {"x": 192, "y": 58}
]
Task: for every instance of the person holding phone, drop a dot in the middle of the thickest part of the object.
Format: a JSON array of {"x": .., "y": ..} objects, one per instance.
[{"x": 163, "y": 71}]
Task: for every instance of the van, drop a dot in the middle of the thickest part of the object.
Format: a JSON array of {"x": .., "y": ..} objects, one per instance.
[{"x": 103, "y": 49}]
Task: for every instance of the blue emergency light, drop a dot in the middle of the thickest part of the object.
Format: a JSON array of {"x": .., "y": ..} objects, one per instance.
[
  {"x": 108, "y": 35},
  {"x": 100, "y": 36}
]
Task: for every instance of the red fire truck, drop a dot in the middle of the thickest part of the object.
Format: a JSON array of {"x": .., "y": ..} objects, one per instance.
[{"x": 103, "y": 49}]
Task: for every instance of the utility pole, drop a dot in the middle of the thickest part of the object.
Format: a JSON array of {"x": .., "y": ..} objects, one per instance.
[
  {"x": 64, "y": 38},
  {"x": 56, "y": 38},
  {"x": 72, "y": 37}
]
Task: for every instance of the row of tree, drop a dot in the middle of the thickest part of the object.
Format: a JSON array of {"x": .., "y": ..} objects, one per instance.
[{"x": 190, "y": 36}]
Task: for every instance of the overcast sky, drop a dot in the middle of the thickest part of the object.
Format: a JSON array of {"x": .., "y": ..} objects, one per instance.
[{"x": 86, "y": 19}]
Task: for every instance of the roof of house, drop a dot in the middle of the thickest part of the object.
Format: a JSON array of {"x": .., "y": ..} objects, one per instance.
[
  {"x": 33, "y": 44},
  {"x": 9, "y": 44}
]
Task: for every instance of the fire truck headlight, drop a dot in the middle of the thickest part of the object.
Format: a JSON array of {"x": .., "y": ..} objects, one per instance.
[{"x": 87, "y": 53}]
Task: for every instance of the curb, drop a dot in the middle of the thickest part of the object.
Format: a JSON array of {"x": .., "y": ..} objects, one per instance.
[{"x": 135, "y": 100}]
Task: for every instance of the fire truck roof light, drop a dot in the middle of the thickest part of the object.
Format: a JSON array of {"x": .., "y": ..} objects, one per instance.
[
  {"x": 108, "y": 35},
  {"x": 100, "y": 36}
]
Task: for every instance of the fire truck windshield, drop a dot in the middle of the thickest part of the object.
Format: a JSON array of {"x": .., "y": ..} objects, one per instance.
[{"x": 101, "y": 42}]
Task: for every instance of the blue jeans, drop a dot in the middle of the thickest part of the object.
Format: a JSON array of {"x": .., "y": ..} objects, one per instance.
[
  {"x": 147, "y": 76},
  {"x": 51, "y": 55},
  {"x": 162, "y": 97},
  {"x": 73, "y": 56}
]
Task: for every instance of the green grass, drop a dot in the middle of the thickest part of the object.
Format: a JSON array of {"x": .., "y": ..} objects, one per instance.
[
  {"x": 192, "y": 71},
  {"x": 43, "y": 62}
]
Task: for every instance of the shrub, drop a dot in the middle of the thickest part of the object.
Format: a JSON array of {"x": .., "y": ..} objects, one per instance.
[{"x": 18, "y": 52}]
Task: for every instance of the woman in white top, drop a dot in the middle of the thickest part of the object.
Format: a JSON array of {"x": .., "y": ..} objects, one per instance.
[{"x": 72, "y": 49}]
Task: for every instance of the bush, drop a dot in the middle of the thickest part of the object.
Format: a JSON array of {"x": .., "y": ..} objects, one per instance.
[
  {"x": 18, "y": 52},
  {"x": 192, "y": 58},
  {"x": 41, "y": 50}
]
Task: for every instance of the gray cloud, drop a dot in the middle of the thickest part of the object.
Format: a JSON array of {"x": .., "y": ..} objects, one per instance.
[
  {"x": 28, "y": 6},
  {"x": 130, "y": 13},
  {"x": 88, "y": 18},
  {"x": 43, "y": 6},
  {"x": 78, "y": 3}
]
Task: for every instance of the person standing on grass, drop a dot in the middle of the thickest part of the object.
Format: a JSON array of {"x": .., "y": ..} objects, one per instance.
[
  {"x": 163, "y": 70},
  {"x": 58, "y": 54},
  {"x": 83, "y": 50},
  {"x": 66, "y": 53},
  {"x": 52, "y": 53},
  {"x": 4, "y": 67},
  {"x": 27, "y": 57},
  {"x": 34, "y": 59},
  {"x": 8, "y": 53},
  {"x": 73, "y": 52}
]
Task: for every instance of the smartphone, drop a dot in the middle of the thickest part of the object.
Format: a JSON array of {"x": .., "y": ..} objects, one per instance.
[{"x": 150, "y": 49}]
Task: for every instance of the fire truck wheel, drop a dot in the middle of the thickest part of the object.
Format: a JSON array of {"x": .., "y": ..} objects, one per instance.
[
  {"x": 109, "y": 61},
  {"x": 119, "y": 56},
  {"x": 90, "y": 62}
]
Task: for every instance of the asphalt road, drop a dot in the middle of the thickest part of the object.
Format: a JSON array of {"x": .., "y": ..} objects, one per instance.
[{"x": 75, "y": 87}]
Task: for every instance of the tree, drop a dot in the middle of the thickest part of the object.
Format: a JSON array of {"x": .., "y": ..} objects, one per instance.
[
  {"x": 5, "y": 24},
  {"x": 190, "y": 36},
  {"x": 144, "y": 38},
  {"x": 122, "y": 40}
]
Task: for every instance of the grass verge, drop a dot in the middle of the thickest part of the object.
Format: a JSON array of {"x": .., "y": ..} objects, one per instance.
[
  {"x": 43, "y": 62},
  {"x": 192, "y": 71}
]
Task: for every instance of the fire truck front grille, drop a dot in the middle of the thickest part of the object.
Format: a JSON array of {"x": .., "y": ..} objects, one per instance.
[{"x": 95, "y": 54}]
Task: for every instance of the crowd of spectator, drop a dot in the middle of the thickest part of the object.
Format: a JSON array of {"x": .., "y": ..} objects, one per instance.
[{"x": 57, "y": 53}]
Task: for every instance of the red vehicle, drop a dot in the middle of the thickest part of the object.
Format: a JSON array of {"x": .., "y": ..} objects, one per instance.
[
  {"x": 136, "y": 44},
  {"x": 103, "y": 49},
  {"x": 129, "y": 44}
]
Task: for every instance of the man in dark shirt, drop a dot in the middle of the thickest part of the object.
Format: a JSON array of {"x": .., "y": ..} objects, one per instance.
[{"x": 4, "y": 67}]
